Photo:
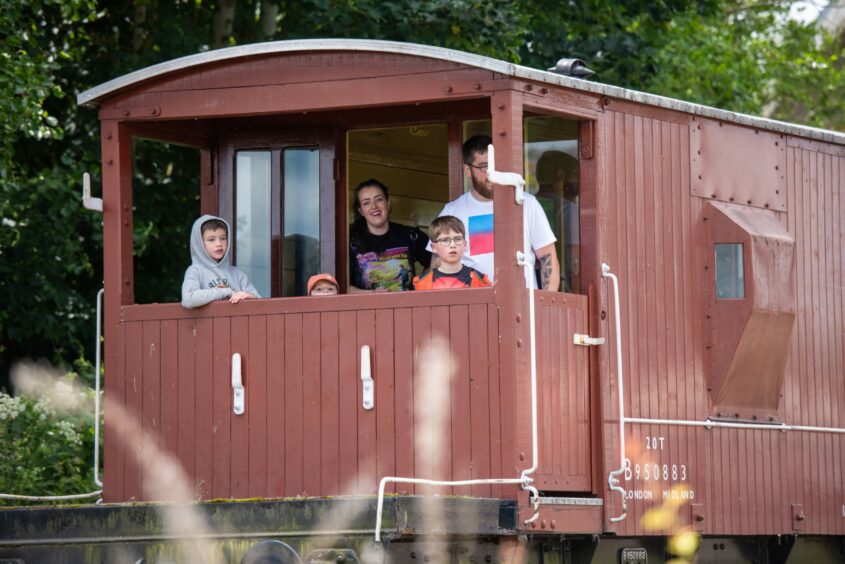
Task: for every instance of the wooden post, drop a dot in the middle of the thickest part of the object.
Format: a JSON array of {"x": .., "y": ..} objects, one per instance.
[
  {"x": 118, "y": 282},
  {"x": 510, "y": 295}
]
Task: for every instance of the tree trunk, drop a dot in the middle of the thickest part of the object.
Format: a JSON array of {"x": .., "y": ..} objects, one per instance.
[
  {"x": 224, "y": 17},
  {"x": 267, "y": 19}
]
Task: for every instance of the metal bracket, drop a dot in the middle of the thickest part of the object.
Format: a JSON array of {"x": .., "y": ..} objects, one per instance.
[
  {"x": 505, "y": 178},
  {"x": 368, "y": 388},
  {"x": 237, "y": 385},
  {"x": 89, "y": 203},
  {"x": 586, "y": 340}
]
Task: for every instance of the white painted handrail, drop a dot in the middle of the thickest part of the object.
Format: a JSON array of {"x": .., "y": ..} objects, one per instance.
[{"x": 612, "y": 478}]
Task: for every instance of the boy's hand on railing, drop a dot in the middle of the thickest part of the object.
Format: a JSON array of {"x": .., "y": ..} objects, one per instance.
[{"x": 238, "y": 296}]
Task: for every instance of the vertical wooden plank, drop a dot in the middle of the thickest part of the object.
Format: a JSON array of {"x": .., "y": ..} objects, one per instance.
[
  {"x": 294, "y": 445},
  {"x": 403, "y": 346},
  {"x": 479, "y": 397},
  {"x": 423, "y": 461},
  {"x": 221, "y": 475},
  {"x": 204, "y": 406},
  {"x": 257, "y": 398},
  {"x": 276, "y": 403},
  {"x": 312, "y": 414},
  {"x": 151, "y": 401},
  {"x": 185, "y": 376},
  {"x": 494, "y": 411},
  {"x": 240, "y": 424},
  {"x": 169, "y": 386},
  {"x": 350, "y": 359},
  {"x": 114, "y": 441},
  {"x": 385, "y": 396},
  {"x": 443, "y": 451},
  {"x": 461, "y": 415},
  {"x": 330, "y": 403},
  {"x": 366, "y": 324},
  {"x": 134, "y": 408}
]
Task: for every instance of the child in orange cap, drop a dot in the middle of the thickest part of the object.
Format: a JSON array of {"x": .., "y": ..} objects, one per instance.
[{"x": 322, "y": 285}]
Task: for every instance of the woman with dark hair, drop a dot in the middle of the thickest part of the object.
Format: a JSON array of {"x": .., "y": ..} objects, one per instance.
[{"x": 382, "y": 255}]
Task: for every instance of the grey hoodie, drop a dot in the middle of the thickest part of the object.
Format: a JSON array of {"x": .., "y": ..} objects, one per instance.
[{"x": 207, "y": 280}]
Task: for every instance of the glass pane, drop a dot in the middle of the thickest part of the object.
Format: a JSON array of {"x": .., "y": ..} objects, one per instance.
[
  {"x": 551, "y": 174},
  {"x": 301, "y": 254},
  {"x": 730, "y": 278},
  {"x": 252, "y": 221}
]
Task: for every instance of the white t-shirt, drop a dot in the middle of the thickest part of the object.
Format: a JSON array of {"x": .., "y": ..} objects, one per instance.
[{"x": 478, "y": 222}]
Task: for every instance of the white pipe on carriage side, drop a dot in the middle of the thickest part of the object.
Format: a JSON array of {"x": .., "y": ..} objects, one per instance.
[
  {"x": 612, "y": 478},
  {"x": 97, "y": 357},
  {"x": 525, "y": 480},
  {"x": 709, "y": 424}
]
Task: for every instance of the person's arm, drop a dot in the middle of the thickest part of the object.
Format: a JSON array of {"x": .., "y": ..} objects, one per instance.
[
  {"x": 194, "y": 296},
  {"x": 549, "y": 268}
]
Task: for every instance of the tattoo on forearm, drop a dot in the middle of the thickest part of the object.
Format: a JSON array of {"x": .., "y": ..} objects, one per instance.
[{"x": 545, "y": 270}]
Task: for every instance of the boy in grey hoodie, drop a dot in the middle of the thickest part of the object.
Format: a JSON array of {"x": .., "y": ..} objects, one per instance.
[{"x": 211, "y": 276}]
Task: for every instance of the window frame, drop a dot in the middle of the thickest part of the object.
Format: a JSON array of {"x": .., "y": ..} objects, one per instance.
[{"x": 277, "y": 141}]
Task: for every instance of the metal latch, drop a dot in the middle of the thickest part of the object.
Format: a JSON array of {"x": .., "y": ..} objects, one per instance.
[
  {"x": 237, "y": 385},
  {"x": 368, "y": 388},
  {"x": 586, "y": 340}
]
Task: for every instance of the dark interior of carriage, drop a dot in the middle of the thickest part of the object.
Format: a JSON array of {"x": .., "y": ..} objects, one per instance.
[{"x": 287, "y": 183}]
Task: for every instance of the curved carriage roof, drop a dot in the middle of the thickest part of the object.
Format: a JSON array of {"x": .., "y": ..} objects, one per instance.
[{"x": 94, "y": 96}]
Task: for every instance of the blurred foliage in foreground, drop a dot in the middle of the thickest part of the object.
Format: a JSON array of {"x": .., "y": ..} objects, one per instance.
[{"x": 47, "y": 449}]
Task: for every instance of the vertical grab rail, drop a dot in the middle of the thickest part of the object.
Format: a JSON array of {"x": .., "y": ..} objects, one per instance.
[
  {"x": 612, "y": 478},
  {"x": 97, "y": 357}
]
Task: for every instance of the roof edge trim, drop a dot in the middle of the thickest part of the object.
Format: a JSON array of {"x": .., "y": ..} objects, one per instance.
[{"x": 93, "y": 96}]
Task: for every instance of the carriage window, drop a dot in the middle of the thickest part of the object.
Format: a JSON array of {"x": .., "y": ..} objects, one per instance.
[
  {"x": 252, "y": 224},
  {"x": 301, "y": 219},
  {"x": 551, "y": 173},
  {"x": 730, "y": 277}
]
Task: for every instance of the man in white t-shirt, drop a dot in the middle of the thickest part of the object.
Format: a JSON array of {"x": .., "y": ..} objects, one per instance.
[{"x": 475, "y": 209}]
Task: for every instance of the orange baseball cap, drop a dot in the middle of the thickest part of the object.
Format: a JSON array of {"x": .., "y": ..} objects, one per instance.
[{"x": 317, "y": 278}]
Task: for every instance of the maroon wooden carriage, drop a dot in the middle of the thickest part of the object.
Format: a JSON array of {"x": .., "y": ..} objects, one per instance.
[{"x": 724, "y": 232}]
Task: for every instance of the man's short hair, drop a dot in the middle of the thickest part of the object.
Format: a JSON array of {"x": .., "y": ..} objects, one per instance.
[
  {"x": 476, "y": 144},
  {"x": 213, "y": 224},
  {"x": 445, "y": 224}
]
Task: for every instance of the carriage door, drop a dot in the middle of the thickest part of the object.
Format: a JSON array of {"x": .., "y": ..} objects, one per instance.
[
  {"x": 277, "y": 191},
  {"x": 552, "y": 167}
]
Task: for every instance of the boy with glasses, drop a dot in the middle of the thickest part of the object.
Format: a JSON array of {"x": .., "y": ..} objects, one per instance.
[{"x": 448, "y": 238}]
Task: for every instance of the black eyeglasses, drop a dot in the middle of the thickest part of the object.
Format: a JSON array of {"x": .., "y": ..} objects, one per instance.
[
  {"x": 457, "y": 239},
  {"x": 482, "y": 167}
]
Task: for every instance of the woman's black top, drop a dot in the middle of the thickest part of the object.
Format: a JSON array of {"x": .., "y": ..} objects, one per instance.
[{"x": 388, "y": 261}]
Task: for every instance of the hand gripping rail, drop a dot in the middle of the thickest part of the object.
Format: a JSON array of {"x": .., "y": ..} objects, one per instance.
[
  {"x": 613, "y": 477},
  {"x": 525, "y": 479}
]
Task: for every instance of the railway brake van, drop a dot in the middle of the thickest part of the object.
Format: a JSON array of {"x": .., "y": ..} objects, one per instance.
[{"x": 688, "y": 376}]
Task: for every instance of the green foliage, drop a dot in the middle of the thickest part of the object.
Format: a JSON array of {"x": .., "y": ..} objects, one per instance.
[
  {"x": 43, "y": 452},
  {"x": 752, "y": 59}
]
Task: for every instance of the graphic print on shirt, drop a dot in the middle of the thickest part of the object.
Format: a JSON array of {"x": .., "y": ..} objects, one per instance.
[
  {"x": 389, "y": 269},
  {"x": 480, "y": 234},
  {"x": 219, "y": 283}
]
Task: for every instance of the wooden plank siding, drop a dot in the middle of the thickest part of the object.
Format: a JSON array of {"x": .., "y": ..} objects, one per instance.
[
  {"x": 744, "y": 480},
  {"x": 563, "y": 394},
  {"x": 304, "y": 430}
]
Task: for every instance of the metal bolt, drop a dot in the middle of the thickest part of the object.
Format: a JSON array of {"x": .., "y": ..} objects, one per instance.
[
  {"x": 477, "y": 86},
  {"x": 502, "y": 133}
]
